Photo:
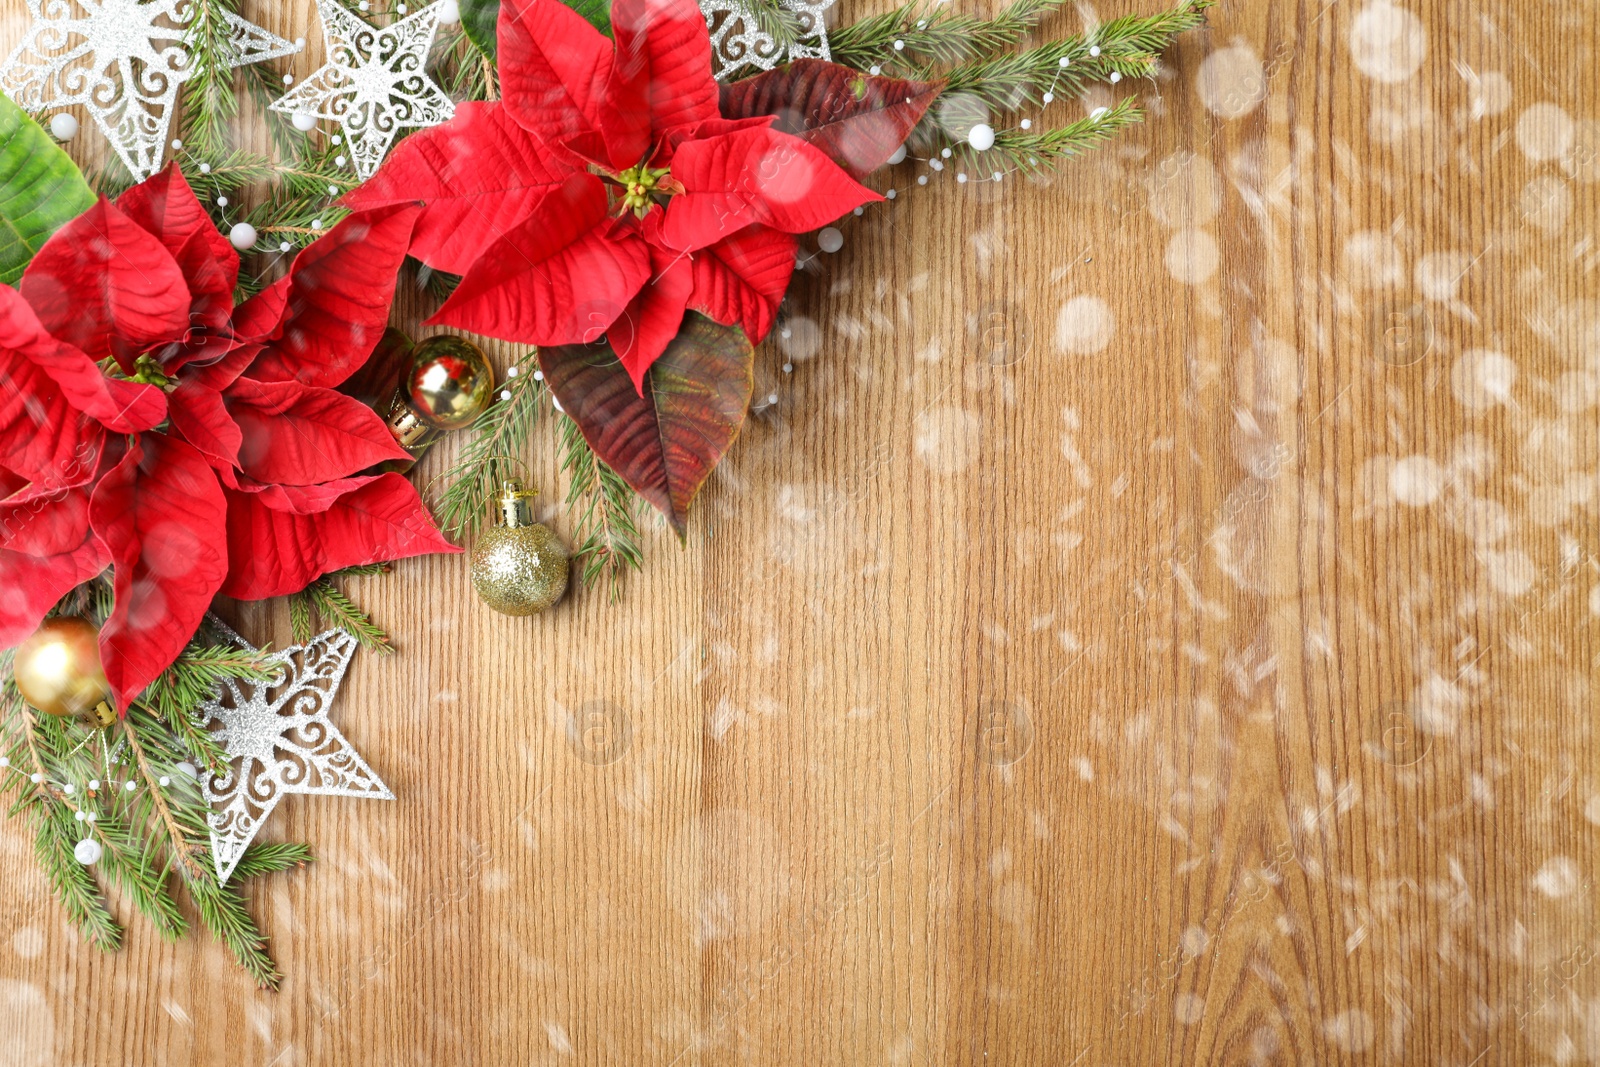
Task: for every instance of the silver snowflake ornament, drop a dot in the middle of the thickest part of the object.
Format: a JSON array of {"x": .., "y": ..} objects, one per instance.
[
  {"x": 373, "y": 83},
  {"x": 738, "y": 41},
  {"x": 279, "y": 741},
  {"x": 124, "y": 61}
]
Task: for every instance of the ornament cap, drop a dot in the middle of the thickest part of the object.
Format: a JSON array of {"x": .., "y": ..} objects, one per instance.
[{"x": 514, "y": 508}]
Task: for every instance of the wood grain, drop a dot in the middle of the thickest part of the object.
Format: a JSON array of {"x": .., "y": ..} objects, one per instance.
[{"x": 1155, "y": 622}]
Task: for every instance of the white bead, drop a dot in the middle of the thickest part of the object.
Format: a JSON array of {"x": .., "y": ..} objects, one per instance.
[
  {"x": 130, "y": 785},
  {"x": 176, "y": 143},
  {"x": 858, "y": 212},
  {"x": 1026, "y": 124},
  {"x": 898, "y": 155},
  {"x": 284, "y": 246},
  {"x": 998, "y": 176},
  {"x": 35, "y": 777},
  {"x": 944, "y": 152},
  {"x": 88, "y": 816},
  {"x": 830, "y": 240},
  {"x": 94, "y": 783},
  {"x": 400, "y": 8},
  {"x": 922, "y": 24},
  {"x": 922, "y": 179},
  {"x": 336, "y": 139},
  {"x": 1094, "y": 50},
  {"x": 935, "y": 164},
  {"x": 338, "y": 161},
  {"x": 513, "y": 371},
  {"x": 63, "y": 127},
  {"x": 449, "y": 12},
  {"x": 1116, "y": 76},
  {"x": 962, "y": 178},
  {"x": 188, "y": 768},
  {"x": 981, "y": 137},
  {"x": 364, "y": 5},
  {"x": 222, "y": 201},
  {"x": 333, "y": 190},
  {"x": 242, "y": 236},
  {"x": 538, "y": 375},
  {"x": 163, "y": 781},
  {"x": 299, "y": 43},
  {"x": 87, "y": 851},
  {"x": 78, "y": 815},
  {"x": 316, "y": 224},
  {"x": 5, "y": 761},
  {"x": 303, "y": 121},
  {"x": 890, "y": 194},
  {"x": 505, "y": 394},
  {"x": 772, "y": 398},
  {"x": 205, "y": 168},
  {"x": 1048, "y": 97},
  {"x": 899, "y": 46},
  {"x": 288, "y": 79},
  {"x": 1063, "y": 62},
  {"x": 556, "y": 403},
  {"x": 788, "y": 368},
  {"x": 69, "y": 789},
  {"x": 875, "y": 71},
  {"x": 1098, "y": 113}
]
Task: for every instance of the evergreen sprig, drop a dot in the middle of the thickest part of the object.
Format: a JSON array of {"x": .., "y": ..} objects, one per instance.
[
  {"x": 490, "y": 453},
  {"x": 1036, "y": 151},
  {"x": 150, "y": 832},
  {"x": 933, "y": 33},
  {"x": 324, "y": 600},
  {"x": 607, "y": 525}
]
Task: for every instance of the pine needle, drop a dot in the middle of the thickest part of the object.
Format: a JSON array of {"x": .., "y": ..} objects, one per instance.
[
  {"x": 489, "y": 455},
  {"x": 341, "y": 613},
  {"x": 607, "y": 527}
]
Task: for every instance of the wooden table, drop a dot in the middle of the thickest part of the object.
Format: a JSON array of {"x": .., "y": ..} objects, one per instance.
[{"x": 1155, "y": 622}]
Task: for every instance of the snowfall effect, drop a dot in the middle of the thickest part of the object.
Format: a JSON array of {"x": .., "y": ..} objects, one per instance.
[{"x": 1152, "y": 615}]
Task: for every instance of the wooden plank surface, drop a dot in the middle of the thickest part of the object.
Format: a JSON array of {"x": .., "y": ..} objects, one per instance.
[{"x": 1154, "y": 623}]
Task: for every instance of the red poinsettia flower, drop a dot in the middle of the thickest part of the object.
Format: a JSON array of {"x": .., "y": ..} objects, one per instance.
[
  {"x": 192, "y": 446},
  {"x": 605, "y": 194}
]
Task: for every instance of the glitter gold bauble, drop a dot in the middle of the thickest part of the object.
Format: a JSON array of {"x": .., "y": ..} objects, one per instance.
[
  {"x": 449, "y": 384},
  {"x": 58, "y": 669},
  {"x": 519, "y": 566}
]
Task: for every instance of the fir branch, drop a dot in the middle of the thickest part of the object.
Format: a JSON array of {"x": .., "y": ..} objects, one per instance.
[
  {"x": 302, "y": 617},
  {"x": 74, "y": 886},
  {"x": 180, "y": 848},
  {"x": 607, "y": 528},
  {"x": 934, "y": 33},
  {"x": 1032, "y": 152},
  {"x": 341, "y": 613},
  {"x": 487, "y": 457},
  {"x": 264, "y": 857},
  {"x": 209, "y": 100},
  {"x": 222, "y": 911}
]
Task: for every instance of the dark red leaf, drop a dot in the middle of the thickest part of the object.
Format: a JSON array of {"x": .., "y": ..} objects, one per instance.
[
  {"x": 274, "y": 553},
  {"x": 858, "y": 121},
  {"x": 666, "y": 442},
  {"x": 337, "y": 304},
  {"x": 158, "y": 513},
  {"x": 104, "y": 285}
]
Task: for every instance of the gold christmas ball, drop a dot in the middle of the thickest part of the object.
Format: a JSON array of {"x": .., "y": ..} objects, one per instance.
[
  {"x": 58, "y": 668},
  {"x": 449, "y": 384},
  {"x": 519, "y": 566}
]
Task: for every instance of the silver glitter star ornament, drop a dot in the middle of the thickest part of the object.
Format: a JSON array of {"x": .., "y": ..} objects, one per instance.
[
  {"x": 738, "y": 41},
  {"x": 373, "y": 82},
  {"x": 122, "y": 60},
  {"x": 279, "y": 741}
]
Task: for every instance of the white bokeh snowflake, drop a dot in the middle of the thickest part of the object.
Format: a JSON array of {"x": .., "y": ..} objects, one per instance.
[
  {"x": 122, "y": 60},
  {"x": 373, "y": 83}
]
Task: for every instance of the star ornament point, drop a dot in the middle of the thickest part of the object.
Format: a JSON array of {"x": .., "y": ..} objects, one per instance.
[
  {"x": 122, "y": 60},
  {"x": 374, "y": 83},
  {"x": 279, "y": 741}
]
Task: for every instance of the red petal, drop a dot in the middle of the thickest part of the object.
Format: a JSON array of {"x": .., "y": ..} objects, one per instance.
[
  {"x": 553, "y": 68},
  {"x": 159, "y": 513},
  {"x": 104, "y": 285},
  {"x": 200, "y": 416},
  {"x": 478, "y": 175},
  {"x": 261, "y": 317},
  {"x": 651, "y": 320},
  {"x": 339, "y": 293},
  {"x": 294, "y": 434},
  {"x": 126, "y": 407},
  {"x": 275, "y": 553},
  {"x": 857, "y": 121},
  {"x": 166, "y": 207},
  {"x": 757, "y": 175},
  {"x": 741, "y": 280},
  {"x": 554, "y": 279},
  {"x": 30, "y": 587},
  {"x": 44, "y": 520},
  {"x": 660, "y": 75},
  {"x": 304, "y": 499}
]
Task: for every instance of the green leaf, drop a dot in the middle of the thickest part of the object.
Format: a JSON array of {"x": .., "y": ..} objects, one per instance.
[
  {"x": 479, "y": 18},
  {"x": 41, "y": 189},
  {"x": 665, "y": 443}
]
